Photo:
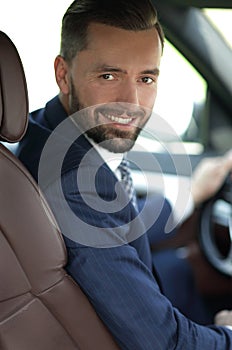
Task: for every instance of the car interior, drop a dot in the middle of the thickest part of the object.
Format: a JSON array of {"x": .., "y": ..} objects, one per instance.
[{"x": 34, "y": 283}]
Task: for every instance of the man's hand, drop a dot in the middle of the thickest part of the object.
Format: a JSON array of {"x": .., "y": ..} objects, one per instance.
[
  {"x": 209, "y": 176},
  {"x": 223, "y": 318}
]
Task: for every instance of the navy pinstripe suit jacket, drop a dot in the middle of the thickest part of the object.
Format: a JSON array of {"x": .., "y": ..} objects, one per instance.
[{"x": 115, "y": 273}]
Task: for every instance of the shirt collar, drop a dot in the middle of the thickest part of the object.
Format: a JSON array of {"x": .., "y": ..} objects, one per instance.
[{"x": 110, "y": 158}]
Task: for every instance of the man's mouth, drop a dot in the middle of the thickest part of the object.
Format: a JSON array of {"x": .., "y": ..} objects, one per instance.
[{"x": 117, "y": 119}]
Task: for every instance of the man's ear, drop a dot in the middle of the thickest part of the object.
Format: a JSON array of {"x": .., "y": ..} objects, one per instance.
[{"x": 61, "y": 73}]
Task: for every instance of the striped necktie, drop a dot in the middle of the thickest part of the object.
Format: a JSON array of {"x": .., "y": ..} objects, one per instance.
[{"x": 127, "y": 182}]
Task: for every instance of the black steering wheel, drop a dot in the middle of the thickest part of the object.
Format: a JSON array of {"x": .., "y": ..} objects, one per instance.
[{"x": 215, "y": 233}]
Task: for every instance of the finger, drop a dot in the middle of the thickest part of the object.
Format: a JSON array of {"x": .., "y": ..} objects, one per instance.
[{"x": 223, "y": 318}]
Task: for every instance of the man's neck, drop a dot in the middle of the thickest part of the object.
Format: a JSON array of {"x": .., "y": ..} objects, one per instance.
[{"x": 110, "y": 158}]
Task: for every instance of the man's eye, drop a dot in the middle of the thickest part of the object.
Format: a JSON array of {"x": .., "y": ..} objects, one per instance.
[
  {"x": 107, "y": 76},
  {"x": 147, "y": 80}
]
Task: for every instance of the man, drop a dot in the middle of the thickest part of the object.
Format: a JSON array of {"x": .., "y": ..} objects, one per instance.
[{"x": 107, "y": 71}]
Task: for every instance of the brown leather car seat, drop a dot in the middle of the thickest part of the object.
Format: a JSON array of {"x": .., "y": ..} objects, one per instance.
[{"x": 41, "y": 307}]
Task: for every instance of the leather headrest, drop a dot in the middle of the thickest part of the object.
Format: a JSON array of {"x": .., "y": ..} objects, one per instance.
[{"x": 13, "y": 92}]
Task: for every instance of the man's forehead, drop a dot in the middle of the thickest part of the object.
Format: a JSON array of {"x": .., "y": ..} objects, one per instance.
[
  {"x": 103, "y": 32},
  {"x": 111, "y": 45}
]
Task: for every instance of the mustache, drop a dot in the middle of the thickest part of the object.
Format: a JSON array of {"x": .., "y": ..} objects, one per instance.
[{"x": 121, "y": 109}]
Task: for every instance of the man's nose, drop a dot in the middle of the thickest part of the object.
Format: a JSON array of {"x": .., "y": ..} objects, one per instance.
[{"x": 128, "y": 93}]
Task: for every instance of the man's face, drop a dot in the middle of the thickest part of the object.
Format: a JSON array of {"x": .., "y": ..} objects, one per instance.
[{"x": 117, "y": 77}]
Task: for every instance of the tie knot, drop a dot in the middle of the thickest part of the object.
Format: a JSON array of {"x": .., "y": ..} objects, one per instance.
[
  {"x": 124, "y": 169},
  {"x": 127, "y": 182}
]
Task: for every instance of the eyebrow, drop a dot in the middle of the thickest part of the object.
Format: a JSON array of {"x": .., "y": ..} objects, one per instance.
[
  {"x": 154, "y": 71},
  {"x": 105, "y": 68}
]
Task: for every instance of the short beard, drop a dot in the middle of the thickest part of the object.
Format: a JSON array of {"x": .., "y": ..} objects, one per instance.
[{"x": 117, "y": 141}]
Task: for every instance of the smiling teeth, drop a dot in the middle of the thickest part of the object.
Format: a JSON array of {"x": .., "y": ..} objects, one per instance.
[{"x": 119, "y": 120}]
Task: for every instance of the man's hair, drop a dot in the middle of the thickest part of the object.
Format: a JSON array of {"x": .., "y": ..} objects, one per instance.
[{"x": 133, "y": 15}]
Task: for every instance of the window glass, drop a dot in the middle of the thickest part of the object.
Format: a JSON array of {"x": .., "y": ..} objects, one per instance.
[
  {"x": 35, "y": 30},
  {"x": 221, "y": 19},
  {"x": 181, "y": 93}
]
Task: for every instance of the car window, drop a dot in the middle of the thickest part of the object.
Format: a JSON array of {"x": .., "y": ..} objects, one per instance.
[
  {"x": 181, "y": 95},
  {"x": 36, "y": 33},
  {"x": 180, "y": 88},
  {"x": 221, "y": 19},
  {"x": 182, "y": 102}
]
